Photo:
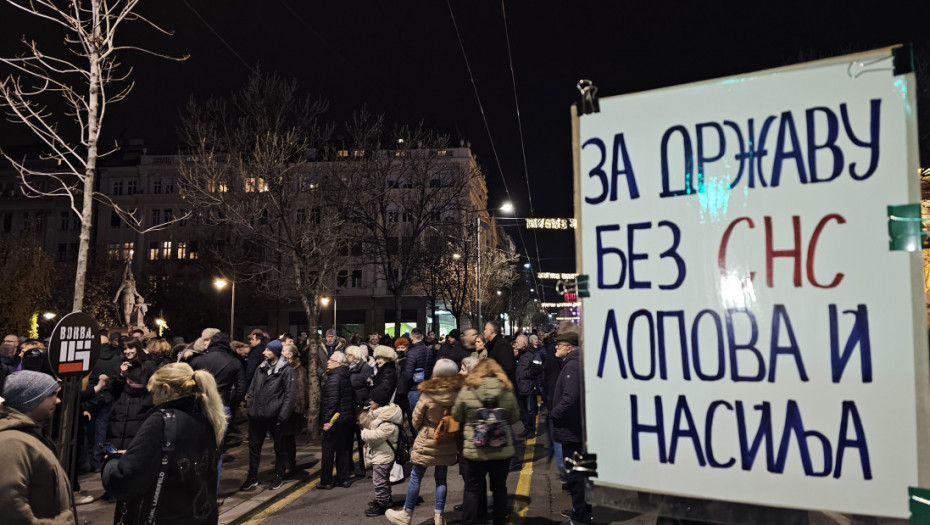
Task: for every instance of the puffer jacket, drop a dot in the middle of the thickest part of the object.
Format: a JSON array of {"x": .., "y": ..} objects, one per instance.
[
  {"x": 465, "y": 411},
  {"x": 273, "y": 391},
  {"x": 33, "y": 488},
  {"x": 337, "y": 396},
  {"x": 359, "y": 374},
  {"x": 380, "y": 426},
  {"x": 437, "y": 396},
  {"x": 385, "y": 379},
  {"x": 133, "y": 400},
  {"x": 526, "y": 373}
]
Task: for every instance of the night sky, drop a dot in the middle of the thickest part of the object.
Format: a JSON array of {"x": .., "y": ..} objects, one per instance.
[{"x": 403, "y": 58}]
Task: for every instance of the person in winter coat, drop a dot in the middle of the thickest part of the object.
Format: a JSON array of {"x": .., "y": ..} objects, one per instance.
[
  {"x": 337, "y": 416},
  {"x": 270, "y": 400},
  {"x": 380, "y": 422},
  {"x": 499, "y": 349},
  {"x": 298, "y": 419},
  {"x": 385, "y": 378},
  {"x": 101, "y": 404},
  {"x": 34, "y": 487},
  {"x": 437, "y": 396},
  {"x": 566, "y": 418},
  {"x": 526, "y": 384},
  {"x": 132, "y": 398},
  {"x": 183, "y": 491},
  {"x": 487, "y": 385},
  {"x": 360, "y": 374},
  {"x": 417, "y": 367}
]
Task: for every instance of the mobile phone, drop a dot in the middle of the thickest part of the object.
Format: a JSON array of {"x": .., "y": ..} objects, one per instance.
[{"x": 108, "y": 448}]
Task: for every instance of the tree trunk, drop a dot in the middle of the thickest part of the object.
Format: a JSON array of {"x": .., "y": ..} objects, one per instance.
[
  {"x": 397, "y": 313},
  {"x": 312, "y": 310}
]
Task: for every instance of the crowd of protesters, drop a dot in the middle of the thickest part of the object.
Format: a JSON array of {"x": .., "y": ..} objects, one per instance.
[{"x": 373, "y": 392}]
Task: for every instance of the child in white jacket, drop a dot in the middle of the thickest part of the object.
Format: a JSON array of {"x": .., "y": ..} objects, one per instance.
[{"x": 380, "y": 424}]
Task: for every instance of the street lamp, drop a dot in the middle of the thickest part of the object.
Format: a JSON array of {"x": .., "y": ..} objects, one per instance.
[
  {"x": 325, "y": 301},
  {"x": 48, "y": 316},
  {"x": 161, "y": 324},
  {"x": 221, "y": 283},
  {"x": 507, "y": 207}
]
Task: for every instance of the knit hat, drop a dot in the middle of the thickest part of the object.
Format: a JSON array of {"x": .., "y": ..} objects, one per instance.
[
  {"x": 330, "y": 332},
  {"x": 381, "y": 396},
  {"x": 25, "y": 390},
  {"x": 445, "y": 367},
  {"x": 454, "y": 334},
  {"x": 275, "y": 346}
]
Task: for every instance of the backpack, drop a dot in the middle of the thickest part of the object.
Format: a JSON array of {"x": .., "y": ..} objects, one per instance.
[
  {"x": 491, "y": 429},
  {"x": 402, "y": 450},
  {"x": 448, "y": 429}
]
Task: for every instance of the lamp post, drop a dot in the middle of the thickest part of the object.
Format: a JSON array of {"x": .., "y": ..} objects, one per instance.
[
  {"x": 221, "y": 283},
  {"x": 507, "y": 207},
  {"x": 325, "y": 301}
]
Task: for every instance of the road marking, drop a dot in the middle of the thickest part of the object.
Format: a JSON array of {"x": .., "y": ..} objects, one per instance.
[
  {"x": 287, "y": 500},
  {"x": 526, "y": 477}
]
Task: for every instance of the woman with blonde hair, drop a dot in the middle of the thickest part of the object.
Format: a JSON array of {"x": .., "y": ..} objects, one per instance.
[
  {"x": 177, "y": 483},
  {"x": 486, "y": 387}
]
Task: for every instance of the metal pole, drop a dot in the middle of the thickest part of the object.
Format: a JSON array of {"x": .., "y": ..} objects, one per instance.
[
  {"x": 232, "y": 311},
  {"x": 478, "y": 269},
  {"x": 335, "y": 304}
]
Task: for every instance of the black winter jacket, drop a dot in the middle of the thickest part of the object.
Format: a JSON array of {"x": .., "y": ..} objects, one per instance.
[
  {"x": 418, "y": 356},
  {"x": 219, "y": 360},
  {"x": 337, "y": 396},
  {"x": 453, "y": 351},
  {"x": 107, "y": 364},
  {"x": 551, "y": 370},
  {"x": 133, "y": 401},
  {"x": 188, "y": 493},
  {"x": 386, "y": 379},
  {"x": 273, "y": 391},
  {"x": 254, "y": 360},
  {"x": 566, "y": 412},
  {"x": 359, "y": 376},
  {"x": 501, "y": 351},
  {"x": 526, "y": 372}
]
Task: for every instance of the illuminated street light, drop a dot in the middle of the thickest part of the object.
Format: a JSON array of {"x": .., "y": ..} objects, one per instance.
[
  {"x": 48, "y": 316},
  {"x": 325, "y": 301},
  {"x": 161, "y": 324},
  {"x": 456, "y": 256},
  {"x": 219, "y": 283}
]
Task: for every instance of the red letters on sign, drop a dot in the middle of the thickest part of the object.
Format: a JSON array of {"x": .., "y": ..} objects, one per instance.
[{"x": 794, "y": 252}]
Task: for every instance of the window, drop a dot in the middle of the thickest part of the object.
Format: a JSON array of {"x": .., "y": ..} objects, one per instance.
[
  {"x": 126, "y": 251},
  {"x": 156, "y": 186},
  {"x": 117, "y": 187},
  {"x": 156, "y": 217},
  {"x": 113, "y": 251},
  {"x": 169, "y": 186},
  {"x": 347, "y": 279},
  {"x": 301, "y": 215},
  {"x": 194, "y": 254},
  {"x": 355, "y": 280},
  {"x": 158, "y": 283},
  {"x": 255, "y": 184},
  {"x": 153, "y": 251},
  {"x": 392, "y": 214},
  {"x": 63, "y": 220},
  {"x": 182, "y": 250},
  {"x": 217, "y": 186},
  {"x": 183, "y": 223},
  {"x": 407, "y": 216},
  {"x": 75, "y": 221},
  {"x": 169, "y": 215},
  {"x": 131, "y": 187},
  {"x": 166, "y": 250},
  {"x": 62, "y": 252}
]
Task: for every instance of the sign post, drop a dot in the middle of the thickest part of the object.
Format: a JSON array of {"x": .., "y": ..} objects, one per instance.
[
  {"x": 751, "y": 334},
  {"x": 73, "y": 349}
]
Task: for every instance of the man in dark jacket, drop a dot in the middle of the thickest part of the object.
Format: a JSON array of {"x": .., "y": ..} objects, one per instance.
[
  {"x": 99, "y": 407},
  {"x": 499, "y": 349},
  {"x": 219, "y": 360},
  {"x": 418, "y": 367},
  {"x": 256, "y": 354},
  {"x": 526, "y": 384},
  {"x": 566, "y": 418},
  {"x": 452, "y": 349},
  {"x": 337, "y": 416},
  {"x": 271, "y": 400}
]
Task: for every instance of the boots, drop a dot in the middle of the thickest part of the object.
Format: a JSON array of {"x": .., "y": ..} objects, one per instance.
[{"x": 399, "y": 516}]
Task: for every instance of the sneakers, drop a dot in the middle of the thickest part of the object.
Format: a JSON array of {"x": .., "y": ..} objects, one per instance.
[
  {"x": 82, "y": 499},
  {"x": 276, "y": 483},
  {"x": 250, "y": 483},
  {"x": 438, "y": 519},
  {"x": 567, "y": 513},
  {"x": 376, "y": 508},
  {"x": 399, "y": 516}
]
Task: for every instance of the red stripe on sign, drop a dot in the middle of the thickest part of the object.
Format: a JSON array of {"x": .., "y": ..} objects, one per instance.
[{"x": 65, "y": 368}]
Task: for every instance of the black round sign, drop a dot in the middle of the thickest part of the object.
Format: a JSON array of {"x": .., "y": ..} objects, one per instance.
[{"x": 74, "y": 346}]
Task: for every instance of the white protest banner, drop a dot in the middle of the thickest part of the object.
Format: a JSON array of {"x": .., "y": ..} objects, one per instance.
[{"x": 750, "y": 336}]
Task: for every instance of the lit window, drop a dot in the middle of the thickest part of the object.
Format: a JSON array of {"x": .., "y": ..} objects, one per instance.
[
  {"x": 153, "y": 251},
  {"x": 113, "y": 251},
  {"x": 255, "y": 184},
  {"x": 182, "y": 250},
  {"x": 127, "y": 251},
  {"x": 217, "y": 186},
  {"x": 166, "y": 250}
]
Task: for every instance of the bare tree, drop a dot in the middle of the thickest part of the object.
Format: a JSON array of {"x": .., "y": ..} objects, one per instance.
[
  {"x": 413, "y": 188},
  {"x": 79, "y": 81},
  {"x": 250, "y": 173},
  {"x": 27, "y": 271}
]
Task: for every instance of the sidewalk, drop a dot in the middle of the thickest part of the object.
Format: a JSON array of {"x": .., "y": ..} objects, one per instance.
[{"x": 235, "y": 507}]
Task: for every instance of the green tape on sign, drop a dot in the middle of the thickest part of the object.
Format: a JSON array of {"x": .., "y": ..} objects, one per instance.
[
  {"x": 904, "y": 227},
  {"x": 919, "y": 501}
]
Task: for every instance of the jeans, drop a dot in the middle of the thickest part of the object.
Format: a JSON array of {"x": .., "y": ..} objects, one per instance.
[
  {"x": 555, "y": 449},
  {"x": 413, "y": 488},
  {"x": 95, "y": 433},
  {"x": 497, "y": 470},
  {"x": 529, "y": 410}
]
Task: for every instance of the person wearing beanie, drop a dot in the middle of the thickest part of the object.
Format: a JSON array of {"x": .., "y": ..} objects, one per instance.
[
  {"x": 270, "y": 402},
  {"x": 380, "y": 422},
  {"x": 34, "y": 486},
  {"x": 329, "y": 344},
  {"x": 437, "y": 396},
  {"x": 453, "y": 348}
]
